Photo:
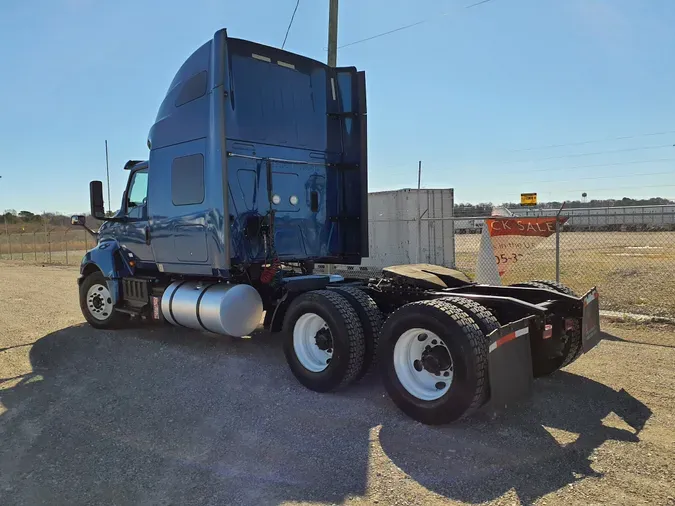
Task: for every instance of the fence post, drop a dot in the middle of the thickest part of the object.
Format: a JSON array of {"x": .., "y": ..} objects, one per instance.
[
  {"x": 557, "y": 243},
  {"x": 557, "y": 250},
  {"x": 21, "y": 244},
  {"x": 65, "y": 239},
  {"x": 49, "y": 245},
  {"x": 35, "y": 246},
  {"x": 9, "y": 243}
]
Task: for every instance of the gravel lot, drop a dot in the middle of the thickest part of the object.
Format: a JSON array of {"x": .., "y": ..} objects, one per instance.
[{"x": 164, "y": 416}]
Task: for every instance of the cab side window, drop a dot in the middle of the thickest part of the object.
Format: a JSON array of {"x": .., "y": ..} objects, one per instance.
[{"x": 138, "y": 192}]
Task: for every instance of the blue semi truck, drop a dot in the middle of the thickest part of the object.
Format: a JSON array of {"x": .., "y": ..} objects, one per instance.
[{"x": 257, "y": 170}]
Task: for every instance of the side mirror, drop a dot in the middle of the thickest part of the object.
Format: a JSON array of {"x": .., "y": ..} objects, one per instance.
[
  {"x": 77, "y": 220},
  {"x": 96, "y": 199}
]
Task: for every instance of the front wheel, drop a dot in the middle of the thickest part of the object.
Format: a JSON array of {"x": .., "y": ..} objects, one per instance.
[{"x": 96, "y": 303}]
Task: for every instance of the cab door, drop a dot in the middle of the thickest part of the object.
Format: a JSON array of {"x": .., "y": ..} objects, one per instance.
[{"x": 134, "y": 233}]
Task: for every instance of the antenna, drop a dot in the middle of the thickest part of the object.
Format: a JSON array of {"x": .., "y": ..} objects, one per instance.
[{"x": 107, "y": 173}]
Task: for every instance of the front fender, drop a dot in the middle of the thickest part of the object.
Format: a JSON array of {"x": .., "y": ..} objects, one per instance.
[{"x": 107, "y": 257}]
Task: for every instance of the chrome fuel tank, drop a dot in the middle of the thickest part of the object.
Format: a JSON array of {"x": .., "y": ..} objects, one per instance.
[{"x": 223, "y": 308}]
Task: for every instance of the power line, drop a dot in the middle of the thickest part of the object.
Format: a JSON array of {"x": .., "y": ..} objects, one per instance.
[
  {"x": 290, "y": 23},
  {"x": 552, "y": 169},
  {"x": 615, "y": 164},
  {"x": 411, "y": 25},
  {"x": 578, "y": 155},
  {"x": 613, "y": 176},
  {"x": 593, "y": 178},
  {"x": 619, "y": 188},
  {"x": 574, "y": 155},
  {"x": 595, "y": 141}
]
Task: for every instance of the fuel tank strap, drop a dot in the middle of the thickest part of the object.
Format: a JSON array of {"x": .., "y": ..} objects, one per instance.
[
  {"x": 199, "y": 300},
  {"x": 175, "y": 290}
]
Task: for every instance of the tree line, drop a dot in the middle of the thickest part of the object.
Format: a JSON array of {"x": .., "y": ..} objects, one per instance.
[
  {"x": 12, "y": 217},
  {"x": 28, "y": 221},
  {"x": 485, "y": 208}
]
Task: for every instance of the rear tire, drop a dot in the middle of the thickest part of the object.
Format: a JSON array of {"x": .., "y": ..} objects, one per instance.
[
  {"x": 534, "y": 284},
  {"x": 542, "y": 364},
  {"x": 486, "y": 321},
  {"x": 574, "y": 335},
  {"x": 323, "y": 340},
  {"x": 558, "y": 287},
  {"x": 96, "y": 303},
  {"x": 371, "y": 320},
  {"x": 411, "y": 381}
]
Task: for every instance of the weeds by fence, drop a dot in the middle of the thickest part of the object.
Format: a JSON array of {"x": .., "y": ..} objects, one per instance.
[{"x": 634, "y": 271}]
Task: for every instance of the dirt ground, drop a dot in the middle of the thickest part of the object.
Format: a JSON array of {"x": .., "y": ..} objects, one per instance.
[{"x": 163, "y": 416}]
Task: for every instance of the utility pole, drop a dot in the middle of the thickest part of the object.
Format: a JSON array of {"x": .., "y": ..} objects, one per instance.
[
  {"x": 332, "y": 53},
  {"x": 332, "y": 33},
  {"x": 107, "y": 173}
]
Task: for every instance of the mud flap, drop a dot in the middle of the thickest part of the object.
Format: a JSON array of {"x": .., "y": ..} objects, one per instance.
[
  {"x": 510, "y": 363},
  {"x": 157, "y": 309},
  {"x": 590, "y": 323}
]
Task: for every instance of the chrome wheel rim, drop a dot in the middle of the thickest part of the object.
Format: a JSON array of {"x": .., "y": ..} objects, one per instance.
[
  {"x": 423, "y": 364},
  {"x": 99, "y": 302},
  {"x": 312, "y": 342}
]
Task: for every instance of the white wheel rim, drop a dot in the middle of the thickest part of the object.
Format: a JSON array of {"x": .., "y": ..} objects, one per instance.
[
  {"x": 417, "y": 352},
  {"x": 309, "y": 353},
  {"x": 99, "y": 302}
]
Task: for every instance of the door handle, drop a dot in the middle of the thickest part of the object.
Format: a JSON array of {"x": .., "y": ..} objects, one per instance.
[{"x": 147, "y": 235}]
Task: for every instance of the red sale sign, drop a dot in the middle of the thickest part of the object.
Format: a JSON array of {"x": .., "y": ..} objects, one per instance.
[
  {"x": 507, "y": 241},
  {"x": 522, "y": 227}
]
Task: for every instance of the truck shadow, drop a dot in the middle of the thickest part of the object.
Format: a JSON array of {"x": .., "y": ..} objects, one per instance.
[
  {"x": 163, "y": 415},
  {"x": 536, "y": 448},
  {"x": 612, "y": 337}
]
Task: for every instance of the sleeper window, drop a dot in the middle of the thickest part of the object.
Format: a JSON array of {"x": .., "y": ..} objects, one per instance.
[{"x": 187, "y": 180}]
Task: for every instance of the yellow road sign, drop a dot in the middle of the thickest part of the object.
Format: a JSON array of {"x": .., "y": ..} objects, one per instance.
[{"x": 528, "y": 199}]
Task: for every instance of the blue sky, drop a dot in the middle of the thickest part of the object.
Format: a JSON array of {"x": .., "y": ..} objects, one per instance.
[{"x": 469, "y": 92}]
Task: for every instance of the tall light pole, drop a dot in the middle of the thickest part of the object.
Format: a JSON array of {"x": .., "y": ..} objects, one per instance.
[
  {"x": 7, "y": 232},
  {"x": 332, "y": 33},
  {"x": 107, "y": 174},
  {"x": 5, "y": 216}
]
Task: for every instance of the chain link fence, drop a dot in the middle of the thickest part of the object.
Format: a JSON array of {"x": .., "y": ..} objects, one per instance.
[
  {"x": 632, "y": 264},
  {"x": 58, "y": 247}
]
